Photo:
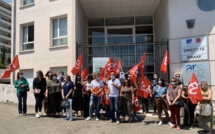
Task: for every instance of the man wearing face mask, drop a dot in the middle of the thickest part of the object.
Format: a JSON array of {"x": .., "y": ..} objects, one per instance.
[
  {"x": 95, "y": 98},
  {"x": 114, "y": 86}
]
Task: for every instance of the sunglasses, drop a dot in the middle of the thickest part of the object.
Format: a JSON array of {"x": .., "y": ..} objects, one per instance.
[{"x": 172, "y": 81}]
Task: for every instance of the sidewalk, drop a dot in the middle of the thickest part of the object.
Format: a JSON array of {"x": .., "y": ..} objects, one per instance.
[{"x": 11, "y": 123}]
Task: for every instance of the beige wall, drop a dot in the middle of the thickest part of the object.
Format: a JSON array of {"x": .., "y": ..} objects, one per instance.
[
  {"x": 161, "y": 21},
  {"x": 204, "y": 26},
  {"x": 44, "y": 57}
]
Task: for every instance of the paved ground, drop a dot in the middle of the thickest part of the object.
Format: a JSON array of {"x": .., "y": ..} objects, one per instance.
[{"x": 11, "y": 123}]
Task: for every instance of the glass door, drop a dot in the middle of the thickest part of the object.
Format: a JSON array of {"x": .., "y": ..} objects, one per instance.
[{"x": 119, "y": 35}]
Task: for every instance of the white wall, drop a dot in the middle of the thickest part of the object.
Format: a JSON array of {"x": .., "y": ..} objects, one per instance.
[
  {"x": 179, "y": 12},
  {"x": 161, "y": 21}
]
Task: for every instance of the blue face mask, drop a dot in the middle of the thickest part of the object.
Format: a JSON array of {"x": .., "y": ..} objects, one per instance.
[
  {"x": 155, "y": 77},
  {"x": 97, "y": 78},
  {"x": 159, "y": 82},
  {"x": 172, "y": 83},
  {"x": 202, "y": 87},
  {"x": 112, "y": 77},
  {"x": 37, "y": 75}
]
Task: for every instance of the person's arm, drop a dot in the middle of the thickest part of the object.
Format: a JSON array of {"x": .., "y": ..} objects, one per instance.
[
  {"x": 183, "y": 96},
  {"x": 62, "y": 93},
  {"x": 16, "y": 84},
  {"x": 178, "y": 96},
  {"x": 47, "y": 89},
  {"x": 118, "y": 85},
  {"x": 209, "y": 95},
  {"x": 121, "y": 91},
  {"x": 70, "y": 91},
  {"x": 164, "y": 95},
  {"x": 34, "y": 84},
  {"x": 167, "y": 97},
  {"x": 26, "y": 82},
  {"x": 132, "y": 95}
]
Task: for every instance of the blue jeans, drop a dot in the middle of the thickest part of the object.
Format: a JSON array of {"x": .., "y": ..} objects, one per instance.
[
  {"x": 22, "y": 102},
  {"x": 114, "y": 107},
  {"x": 97, "y": 102}
]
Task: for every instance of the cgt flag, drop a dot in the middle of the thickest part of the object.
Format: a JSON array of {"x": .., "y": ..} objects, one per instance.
[
  {"x": 76, "y": 69},
  {"x": 134, "y": 72},
  {"x": 194, "y": 91},
  {"x": 117, "y": 66},
  {"x": 142, "y": 63},
  {"x": 164, "y": 63},
  {"x": 142, "y": 90},
  {"x": 84, "y": 73},
  {"x": 12, "y": 67}
]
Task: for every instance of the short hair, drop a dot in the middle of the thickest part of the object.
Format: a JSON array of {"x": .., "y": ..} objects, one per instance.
[
  {"x": 68, "y": 77},
  {"x": 61, "y": 72}
]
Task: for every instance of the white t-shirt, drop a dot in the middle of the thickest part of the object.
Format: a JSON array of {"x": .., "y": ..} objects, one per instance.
[
  {"x": 114, "y": 92},
  {"x": 95, "y": 83}
]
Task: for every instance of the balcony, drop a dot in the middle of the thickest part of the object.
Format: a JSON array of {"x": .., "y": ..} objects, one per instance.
[
  {"x": 5, "y": 29},
  {"x": 4, "y": 21},
  {"x": 5, "y": 37}
]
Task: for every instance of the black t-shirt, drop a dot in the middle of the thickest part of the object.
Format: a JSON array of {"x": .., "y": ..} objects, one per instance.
[{"x": 39, "y": 84}]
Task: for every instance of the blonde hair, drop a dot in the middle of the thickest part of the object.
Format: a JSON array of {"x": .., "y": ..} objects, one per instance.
[{"x": 205, "y": 84}]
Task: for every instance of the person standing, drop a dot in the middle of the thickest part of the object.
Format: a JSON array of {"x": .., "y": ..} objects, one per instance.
[
  {"x": 77, "y": 104},
  {"x": 21, "y": 85},
  {"x": 173, "y": 96},
  {"x": 39, "y": 87},
  {"x": 53, "y": 93},
  {"x": 154, "y": 83},
  {"x": 206, "y": 122},
  {"x": 159, "y": 93},
  {"x": 66, "y": 93},
  {"x": 114, "y": 86},
  {"x": 127, "y": 100},
  {"x": 45, "y": 100},
  {"x": 95, "y": 97},
  {"x": 86, "y": 93}
]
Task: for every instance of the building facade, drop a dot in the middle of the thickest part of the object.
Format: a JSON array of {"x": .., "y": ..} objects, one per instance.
[
  {"x": 49, "y": 35},
  {"x": 5, "y": 31}
]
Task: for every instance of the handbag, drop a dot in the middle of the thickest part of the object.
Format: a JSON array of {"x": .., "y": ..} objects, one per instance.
[
  {"x": 205, "y": 110},
  {"x": 179, "y": 103},
  {"x": 65, "y": 104},
  {"x": 27, "y": 88}
]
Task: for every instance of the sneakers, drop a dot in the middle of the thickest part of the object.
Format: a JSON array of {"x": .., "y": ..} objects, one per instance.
[
  {"x": 160, "y": 123},
  {"x": 110, "y": 121},
  {"x": 170, "y": 123},
  {"x": 117, "y": 122},
  {"x": 37, "y": 115},
  {"x": 88, "y": 118},
  {"x": 97, "y": 119}
]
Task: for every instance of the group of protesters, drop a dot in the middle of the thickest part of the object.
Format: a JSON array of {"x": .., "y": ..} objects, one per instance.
[{"x": 117, "y": 97}]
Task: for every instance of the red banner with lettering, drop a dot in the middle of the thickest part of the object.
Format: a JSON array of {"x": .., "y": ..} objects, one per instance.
[
  {"x": 76, "y": 69},
  {"x": 143, "y": 90},
  {"x": 164, "y": 63}
]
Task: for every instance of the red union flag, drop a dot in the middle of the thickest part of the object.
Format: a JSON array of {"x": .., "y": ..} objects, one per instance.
[
  {"x": 134, "y": 72},
  {"x": 103, "y": 73},
  {"x": 142, "y": 63},
  {"x": 194, "y": 91},
  {"x": 12, "y": 67},
  {"x": 117, "y": 66},
  {"x": 109, "y": 66},
  {"x": 142, "y": 90},
  {"x": 84, "y": 73},
  {"x": 164, "y": 63},
  {"x": 76, "y": 69}
]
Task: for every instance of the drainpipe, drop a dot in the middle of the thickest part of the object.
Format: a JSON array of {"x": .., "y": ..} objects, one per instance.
[{"x": 13, "y": 37}]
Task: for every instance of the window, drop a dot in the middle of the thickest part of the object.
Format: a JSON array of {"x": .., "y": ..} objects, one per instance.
[
  {"x": 28, "y": 37},
  {"x": 206, "y": 5},
  {"x": 60, "y": 31},
  {"x": 27, "y": 2}
]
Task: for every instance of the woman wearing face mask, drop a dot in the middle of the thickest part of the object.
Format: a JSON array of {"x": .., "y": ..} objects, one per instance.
[
  {"x": 20, "y": 84},
  {"x": 67, "y": 90},
  {"x": 160, "y": 94},
  {"x": 53, "y": 93},
  {"x": 45, "y": 100},
  {"x": 77, "y": 104},
  {"x": 154, "y": 83},
  {"x": 86, "y": 93},
  {"x": 39, "y": 87},
  {"x": 206, "y": 122},
  {"x": 174, "y": 95}
]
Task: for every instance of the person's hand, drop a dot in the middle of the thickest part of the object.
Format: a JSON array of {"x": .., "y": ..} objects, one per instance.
[
  {"x": 19, "y": 85},
  {"x": 132, "y": 102},
  {"x": 173, "y": 102},
  {"x": 35, "y": 91},
  {"x": 169, "y": 103},
  {"x": 46, "y": 95},
  {"x": 163, "y": 96}
]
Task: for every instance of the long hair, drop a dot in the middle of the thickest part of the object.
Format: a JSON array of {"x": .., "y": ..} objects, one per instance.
[
  {"x": 129, "y": 83},
  {"x": 163, "y": 82},
  {"x": 206, "y": 86},
  {"x": 77, "y": 79},
  {"x": 40, "y": 73}
]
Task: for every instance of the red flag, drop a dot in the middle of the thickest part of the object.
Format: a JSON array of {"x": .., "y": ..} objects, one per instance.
[
  {"x": 194, "y": 90},
  {"x": 134, "y": 72},
  {"x": 76, "y": 69},
  {"x": 142, "y": 63},
  {"x": 142, "y": 90},
  {"x": 109, "y": 65},
  {"x": 84, "y": 73},
  {"x": 164, "y": 63},
  {"x": 12, "y": 67},
  {"x": 117, "y": 66},
  {"x": 104, "y": 74}
]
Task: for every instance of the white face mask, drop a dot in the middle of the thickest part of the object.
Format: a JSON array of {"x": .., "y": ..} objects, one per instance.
[
  {"x": 112, "y": 77},
  {"x": 54, "y": 77},
  {"x": 21, "y": 76},
  {"x": 160, "y": 82},
  {"x": 97, "y": 78}
]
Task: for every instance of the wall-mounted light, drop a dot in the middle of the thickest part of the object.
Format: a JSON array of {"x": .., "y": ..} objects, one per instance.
[{"x": 190, "y": 23}]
